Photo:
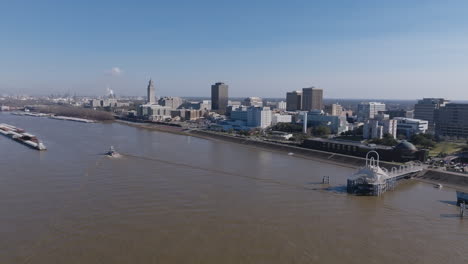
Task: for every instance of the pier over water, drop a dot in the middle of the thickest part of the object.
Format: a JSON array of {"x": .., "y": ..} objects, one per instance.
[{"x": 375, "y": 180}]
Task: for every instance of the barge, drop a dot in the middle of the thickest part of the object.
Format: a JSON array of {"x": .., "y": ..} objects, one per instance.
[{"x": 19, "y": 135}]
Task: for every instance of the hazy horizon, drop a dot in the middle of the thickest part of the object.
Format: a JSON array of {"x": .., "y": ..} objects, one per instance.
[{"x": 353, "y": 50}]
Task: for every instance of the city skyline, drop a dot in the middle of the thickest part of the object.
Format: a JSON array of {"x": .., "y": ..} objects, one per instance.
[{"x": 395, "y": 50}]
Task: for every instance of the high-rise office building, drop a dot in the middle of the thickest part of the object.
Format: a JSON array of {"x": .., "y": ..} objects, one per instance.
[
  {"x": 151, "y": 93},
  {"x": 425, "y": 110},
  {"x": 451, "y": 121},
  {"x": 312, "y": 99},
  {"x": 369, "y": 110},
  {"x": 219, "y": 97},
  {"x": 294, "y": 101}
]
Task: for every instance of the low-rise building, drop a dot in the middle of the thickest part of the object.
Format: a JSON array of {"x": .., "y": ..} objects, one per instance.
[
  {"x": 187, "y": 114},
  {"x": 172, "y": 102},
  {"x": 239, "y": 113},
  {"x": 259, "y": 117},
  {"x": 281, "y": 105},
  {"x": 411, "y": 126},
  {"x": 404, "y": 151},
  {"x": 377, "y": 128},
  {"x": 154, "y": 112},
  {"x": 337, "y": 124},
  {"x": 280, "y": 118},
  {"x": 334, "y": 109},
  {"x": 253, "y": 101},
  {"x": 369, "y": 110}
]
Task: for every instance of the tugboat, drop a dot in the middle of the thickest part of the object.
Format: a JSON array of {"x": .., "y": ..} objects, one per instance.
[{"x": 112, "y": 153}]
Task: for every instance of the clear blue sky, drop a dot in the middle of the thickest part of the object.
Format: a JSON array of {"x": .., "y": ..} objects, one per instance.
[{"x": 351, "y": 49}]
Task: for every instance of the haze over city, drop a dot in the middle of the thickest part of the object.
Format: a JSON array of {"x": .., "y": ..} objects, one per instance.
[{"x": 352, "y": 49}]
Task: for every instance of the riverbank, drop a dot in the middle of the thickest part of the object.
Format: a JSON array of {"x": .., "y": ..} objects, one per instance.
[
  {"x": 296, "y": 151},
  {"x": 449, "y": 179},
  {"x": 453, "y": 180}
]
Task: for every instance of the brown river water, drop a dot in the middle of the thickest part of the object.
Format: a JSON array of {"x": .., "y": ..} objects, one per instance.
[{"x": 180, "y": 199}]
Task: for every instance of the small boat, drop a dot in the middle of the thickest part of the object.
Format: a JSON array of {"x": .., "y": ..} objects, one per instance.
[
  {"x": 290, "y": 153},
  {"x": 112, "y": 153},
  {"x": 438, "y": 186}
]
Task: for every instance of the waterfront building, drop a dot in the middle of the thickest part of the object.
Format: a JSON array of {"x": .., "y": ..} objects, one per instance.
[
  {"x": 411, "y": 126},
  {"x": 403, "y": 152},
  {"x": 372, "y": 129},
  {"x": 369, "y": 110},
  {"x": 281, "y": 105},
  {"x": 151, "y": 93},
  {"x": 226, "y": 125},
  {"x": 425, "y": 110},
  {"x": 187, "y": 114},
  {"x": 202, "y": 105},
  {"x": 294, "y": 101},
  {"x": 390, "y": 126},
  {"x": 172, "y": 102},
  {"x": 253, "y": 101},
  {"x": 312, "y": 99},
  {"x": 239, "y": 113},
  {"x": 154, "y": 112},
  {"x": 280, "y": 118},
  {"x": 375, "y": 128},
  {"x": 451, "y": 121},
  {"x": 334, "y": 109},
  {"x": 219, "y": 97},
  {"x": 259, "y": 117},
  {"x": 337, "y": 124}
]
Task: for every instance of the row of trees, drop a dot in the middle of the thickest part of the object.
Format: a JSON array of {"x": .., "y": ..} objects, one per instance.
[
  {"x": 73, "y": 111},
  {"x": 424, "y": 140}
]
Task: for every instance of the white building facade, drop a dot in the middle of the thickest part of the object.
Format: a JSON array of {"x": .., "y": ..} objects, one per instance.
[
  {"x": 369, "y": 110},
  {"x": 259, "y": 117},
  {"x": 411, "y": 126},
  {"x": 279, "y": 118}
]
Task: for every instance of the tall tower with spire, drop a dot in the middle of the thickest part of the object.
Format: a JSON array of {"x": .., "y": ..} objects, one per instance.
[{"x": 151, "y": 94}]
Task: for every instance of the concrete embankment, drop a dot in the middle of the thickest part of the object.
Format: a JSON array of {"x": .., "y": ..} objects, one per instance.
[
  {"x": 338, "y": 159},
  {"x": 451, "y": 179}
]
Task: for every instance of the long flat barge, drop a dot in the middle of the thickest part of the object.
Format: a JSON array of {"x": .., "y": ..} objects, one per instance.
[{"x": 19, "y": 135}]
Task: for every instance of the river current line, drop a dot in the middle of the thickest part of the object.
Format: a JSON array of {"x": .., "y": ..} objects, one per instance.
[
  {"x": 223, "y": 172},
  {"x": 327, "y": 191}
]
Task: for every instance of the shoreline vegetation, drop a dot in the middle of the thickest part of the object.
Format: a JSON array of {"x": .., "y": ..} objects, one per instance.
[{"x": 72, "y": 111}]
